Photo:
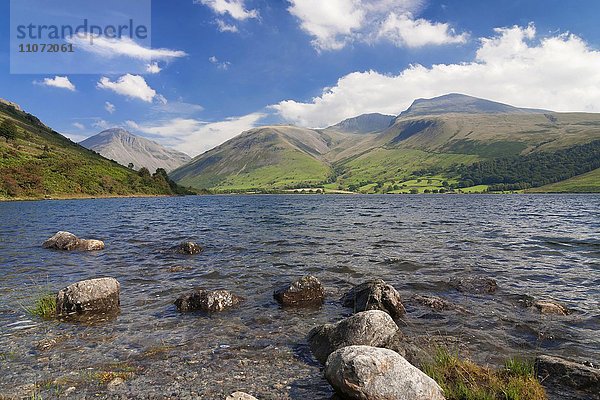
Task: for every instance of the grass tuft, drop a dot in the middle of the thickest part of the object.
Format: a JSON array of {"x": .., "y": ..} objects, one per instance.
[
  {"x": 462, "y": 379},
  {"x": 44, "y": 307}
]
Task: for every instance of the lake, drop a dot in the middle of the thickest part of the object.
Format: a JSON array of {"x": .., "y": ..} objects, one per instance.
[{"x": 545, "y": 246}]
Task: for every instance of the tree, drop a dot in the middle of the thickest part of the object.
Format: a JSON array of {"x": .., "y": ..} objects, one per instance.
[
  {"x": 414, "y": 191},
  {"x": 144, "y": 173},
  {"x": 8, "y": 129},
  {"x": 130, "y": 165}
]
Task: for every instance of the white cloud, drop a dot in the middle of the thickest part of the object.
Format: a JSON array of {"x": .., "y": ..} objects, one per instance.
[
  {"x": 193, "y": 136},
  {"x": 406, "y": 32},
  {"x": 335, "y": 23},
  {"x": 100, "y": 124},
  {"x": 133, "y": 86},
  {"x": 225, "y": 27},
  {"x": 177, "y": 108},
  {"x": 122, "y": 47},
  {"x": 236, "y": 9},
  {"x": 220, "y": 64},
  {"x": 110, "y": 107},
  {"x": 558, "y": 73},
  {"x": 79, "y": 125},
  {"x": 153, "y": 68},
  {"x": 61, "y": 82}
]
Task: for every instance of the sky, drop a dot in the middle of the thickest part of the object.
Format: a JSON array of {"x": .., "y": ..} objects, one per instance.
[{"x": 215, "y": 68}]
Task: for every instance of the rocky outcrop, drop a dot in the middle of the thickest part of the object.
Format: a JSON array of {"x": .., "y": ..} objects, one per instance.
[
  {"x": 561, "y": 372},
  {"x": 371, "y": 328},
  {"x": 91, "y": 297},
  {"x": 474, "y": 285},
  {"x": 375, "y": 295},
  {"x": 209, "y": 301},
  {"x": 240, "y": 396},
  {"x": 364, "y": 372},
  {"x": 306, "y": 291},
  {"x": 67, "y": 241},
  {"x": 550, "y": 307},
  {"x": 188, "y": 248}
]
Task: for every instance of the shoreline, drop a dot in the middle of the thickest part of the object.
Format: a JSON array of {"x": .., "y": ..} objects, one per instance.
[{"x": 82, "y": 197}]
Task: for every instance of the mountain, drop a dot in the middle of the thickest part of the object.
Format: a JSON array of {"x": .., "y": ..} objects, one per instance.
[
  {"x": 37, "y": 162},
  {"x": 123, "y": 147},
  {"x": 462, "y": 104},
  {"x": 427, "y": 147},
  {"x": 366, "y": 123}
]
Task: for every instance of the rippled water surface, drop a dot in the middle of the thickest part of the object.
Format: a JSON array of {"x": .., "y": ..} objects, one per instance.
[{"x": 545, "y": 246}]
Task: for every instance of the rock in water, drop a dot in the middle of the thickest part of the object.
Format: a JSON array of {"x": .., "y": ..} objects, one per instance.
[
  {"x": 306, "y": 291},
  {"x": 474, "y": 285},
  {"x": 550, "y": 307},
  {"x": 209, "y": 301},
  {"x": 67, "y": 241},
  {"x": 240, "y": 396},
  {"x": 189, "y": 248},
  {"x": 561, "y": 372},
  {"x": 375, "y": 295},
  {"x": 364, "y": 372},
  {"x": 371, "y": 328},
  {"x": 89, "y": 297}
]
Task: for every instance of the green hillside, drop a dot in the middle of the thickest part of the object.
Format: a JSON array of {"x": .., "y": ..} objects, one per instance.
[
  {"x": 37, "y": 162},
  {"x": 435, "y": 141},
  {"x": 585, "y": 183}
]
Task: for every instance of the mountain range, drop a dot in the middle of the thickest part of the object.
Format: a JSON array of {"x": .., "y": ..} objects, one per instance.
[
  {"x": 429, "y": 141},
  {"x": 125, "y": 148}
]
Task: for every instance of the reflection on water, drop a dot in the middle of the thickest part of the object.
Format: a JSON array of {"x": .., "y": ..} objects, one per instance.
[{"x": 542, "y": 246}]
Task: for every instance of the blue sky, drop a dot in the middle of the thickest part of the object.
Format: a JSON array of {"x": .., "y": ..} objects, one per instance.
[{"x": 223, "y": 66}]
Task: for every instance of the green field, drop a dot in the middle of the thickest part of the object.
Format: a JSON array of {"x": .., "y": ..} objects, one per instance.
[{"x": 586, "y": 183}]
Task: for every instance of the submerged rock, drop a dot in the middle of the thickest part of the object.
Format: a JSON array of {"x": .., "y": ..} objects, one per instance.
[
  {"x": 306, "y": 291},
  {"x": 474, "y": 285},
  {"x": 364, "y": 372},
  {"x": 375, "y": 295},
  {"x": 209, "y": 301},
  {"x": 188, "y": 248},
  {"x": 435, "y": 303},
  {"x": 559, "y": 371},
  {"x": 371, "y": 328},
  {"x": 550, "y": 307},
  {"x": 67, "y": 241},
  {"x": 240, "y": 396},
  {"x": 89, "y": 297}
]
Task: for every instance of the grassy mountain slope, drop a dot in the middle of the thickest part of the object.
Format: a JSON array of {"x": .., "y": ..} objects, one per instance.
[
  {"x": 40, "y": 162},
  {"x": 429, "y": 141},
  {"x": 585, "y": 183}
]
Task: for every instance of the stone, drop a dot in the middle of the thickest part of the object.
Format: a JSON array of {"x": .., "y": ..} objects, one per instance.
[
  {"x": 205, "y": 300},
  {"x": 240, "y": 396},
  {"x": 434, "y": 302},
  {"x": 188, "y": 248},
  {"x": 112, "y": 385},
  {"x": 371, "y": 328},
  {"x": 306, "y": 291},
  {"x": 550, "y": 307},
  {"x": 68, "y": 241},
  {"x": 375, "y": 295},
  {"x": 373, "y": 373},
  {"x": 474, "y": 285},
  {"x": 561, "y": 372},
  {"x": 92, "y": 296}
]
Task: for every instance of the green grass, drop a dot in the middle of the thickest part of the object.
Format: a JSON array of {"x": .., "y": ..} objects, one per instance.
[
  {"x": 475, "y": 189},
  {"x": 586, "y": 183},
  {"x": 44, "y": 306},
  {"x": 462, "y": 379}
]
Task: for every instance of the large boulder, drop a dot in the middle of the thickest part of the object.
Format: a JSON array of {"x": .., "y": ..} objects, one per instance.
[
  {"x": 370, "y": 328},
  {"x": 188, "y": 248},
  {"x": 375, "y": 295},
  {"x": 474, "y": 284},
  {"x": 372, "y": 373},
  {"x": 206, "y": 300},
  {"x": 306, "y": 291},
  {"x": 67, "y": 241},
  {"x": 561, "y": 372},
  {"x": 89, "y": 297},
  {"x": 550, "y": 307}
]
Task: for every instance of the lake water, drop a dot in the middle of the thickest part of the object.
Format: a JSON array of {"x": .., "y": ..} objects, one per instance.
[{"x": 546, "y": 246}]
